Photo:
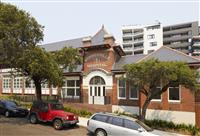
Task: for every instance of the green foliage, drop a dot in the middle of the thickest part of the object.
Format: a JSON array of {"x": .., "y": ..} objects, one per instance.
[
  {"x": 18, "y": 29},
  {"x": 152, "y": 73},
  {"x": 166, "y": 125},
  {"x": 148, "y": 75},
  {"x": 68, "y": 58},
  {"x": 82, "y": 112},
  {"x": 40, "y": 65}
]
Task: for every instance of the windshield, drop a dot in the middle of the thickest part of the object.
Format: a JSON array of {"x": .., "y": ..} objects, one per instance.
[
  {"x": 147, "y": 128},
  {"x": 10, "y": 104},
  {"x": 57, "y": 107}
]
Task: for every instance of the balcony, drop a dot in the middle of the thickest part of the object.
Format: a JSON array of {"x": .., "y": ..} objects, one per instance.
[
  {"x": 139, "y": 40},
  {"x": 138, "y": 47},
  {"x": 178, "y": 45},
  {"x": 176, "y": 38},
  {"x": 177, "y": 31}
]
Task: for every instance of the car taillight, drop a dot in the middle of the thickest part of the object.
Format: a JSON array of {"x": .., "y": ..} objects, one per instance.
[
  {"x": 67, "y": 117},
  {"x": 88, "y": 122}
]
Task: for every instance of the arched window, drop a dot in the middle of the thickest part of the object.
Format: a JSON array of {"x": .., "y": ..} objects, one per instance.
[{"x": 97, "y": 80}]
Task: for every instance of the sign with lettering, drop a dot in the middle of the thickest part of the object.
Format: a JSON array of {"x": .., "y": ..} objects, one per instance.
[{"x": 96, "y": 60}]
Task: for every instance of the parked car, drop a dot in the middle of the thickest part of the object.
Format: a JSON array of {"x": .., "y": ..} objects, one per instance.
[
  {"x": 51, "y": 112},
  {"x": 108, "y": 124},
  {"x": 11, "y": 108}
]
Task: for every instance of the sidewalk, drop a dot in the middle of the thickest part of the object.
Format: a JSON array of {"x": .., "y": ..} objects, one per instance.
[{"x": 83, "y": 122}]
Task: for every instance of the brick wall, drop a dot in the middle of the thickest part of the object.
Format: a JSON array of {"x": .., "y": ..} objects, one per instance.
[{"x": 1, "y": 85}]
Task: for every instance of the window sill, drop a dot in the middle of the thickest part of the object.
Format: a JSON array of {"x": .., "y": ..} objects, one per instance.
[
  {"x": 174, "y": 101},
  {"x": 154, "y": 100},
  {"x": 133, "y": 98},
  {"x": 122, "y": 98}
]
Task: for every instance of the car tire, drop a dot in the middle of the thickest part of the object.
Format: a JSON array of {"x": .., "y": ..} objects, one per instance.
[
  {"x": 100, "y": 132},
  {"x": 33, "y": 119},
  {"x": 57, "y": 124},
  {"x": 7, "y": 114}
]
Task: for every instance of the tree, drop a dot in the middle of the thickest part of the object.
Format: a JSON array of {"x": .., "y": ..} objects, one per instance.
[
  {"x": 147, "y": 75},
  {"x": 18, "y": 30},
  {"x": 68, "y": 58},
  {"x": 41, "y": 67}
]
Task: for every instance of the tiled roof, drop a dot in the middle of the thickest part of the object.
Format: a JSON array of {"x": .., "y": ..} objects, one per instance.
[
  {"x": 98, "y": 38},
  {"x": 168, "y": 54},
  {"x": 129, "y": 59},
  {"x": 75, "y": 43},
  {"x": 162, "y": 54},
  {"x": 78, "y": 69}
]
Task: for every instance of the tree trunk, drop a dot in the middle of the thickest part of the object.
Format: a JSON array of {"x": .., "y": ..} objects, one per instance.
[
  {"x": 38, "y": 90},
  {"x": 144, "y": 109}
]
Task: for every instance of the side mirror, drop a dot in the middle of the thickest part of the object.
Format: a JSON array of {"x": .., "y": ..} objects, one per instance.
[{"x": 140, "y": 130}]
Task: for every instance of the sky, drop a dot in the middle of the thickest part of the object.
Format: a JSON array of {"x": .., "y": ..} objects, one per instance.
[{"x": 65, "y": 19}]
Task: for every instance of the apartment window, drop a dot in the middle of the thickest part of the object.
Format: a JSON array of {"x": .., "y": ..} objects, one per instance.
[
  {"x": 71, "y": 88},
  {"x": 174, "y": 94},
  {"x": 159, "y": 96},
  {"x": 17, "y": 83},
  {"x": 153, "y": 27},
  {"x": 153, "y": 44},
  {"x": 121, "y": 89},
  {"x": 6, "y": 83},
  {"x": 151, "y": 36},
  {"x": 133, "y": 91}
]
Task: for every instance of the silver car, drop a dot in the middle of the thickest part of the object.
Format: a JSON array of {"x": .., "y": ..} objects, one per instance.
[{"x": 108, "y": 124}]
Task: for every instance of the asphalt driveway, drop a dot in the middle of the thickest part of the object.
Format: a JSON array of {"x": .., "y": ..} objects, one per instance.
[{"x": 21, "y": 127}]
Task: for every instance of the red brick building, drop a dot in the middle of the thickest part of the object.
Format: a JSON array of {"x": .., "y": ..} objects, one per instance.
[{"x": 97, "y": 81}]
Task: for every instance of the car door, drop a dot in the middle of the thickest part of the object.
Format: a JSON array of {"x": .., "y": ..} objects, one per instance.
[
  {"x": 116, "y": 126},
  {"x": 43, "y": 111},
  {"x": 132, "y": 128},
  {"x": 2, "y": 108}
]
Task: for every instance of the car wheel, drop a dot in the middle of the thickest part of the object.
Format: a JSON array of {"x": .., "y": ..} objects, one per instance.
[
  {"x": 7, "y": 114},
  {"x": 33, "y": 119},
  {"x": 100, "y": 132},
  {"x": 57, "y": 124}
]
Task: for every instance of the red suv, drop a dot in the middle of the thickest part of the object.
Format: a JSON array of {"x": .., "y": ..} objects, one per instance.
[{"x": 51, "y": 112}]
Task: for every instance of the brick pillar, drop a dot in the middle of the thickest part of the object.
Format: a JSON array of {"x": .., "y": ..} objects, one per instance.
[
  {"x": 23, "y": 85},
  {"x": 197, "y": 109},
  {"x": 12, "y": 84}
]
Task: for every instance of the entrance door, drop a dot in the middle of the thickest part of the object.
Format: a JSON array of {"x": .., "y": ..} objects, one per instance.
[{"x": 97, "y": 91}]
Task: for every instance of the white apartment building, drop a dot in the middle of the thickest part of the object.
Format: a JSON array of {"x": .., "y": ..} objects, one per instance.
[{"x": 141, "y": 39}]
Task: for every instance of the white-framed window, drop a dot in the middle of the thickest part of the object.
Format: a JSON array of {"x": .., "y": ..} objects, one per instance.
[
  {"x": 151, "y": 36},
  {"x": 151, "y": 44},
  {"x": 44, "y": 85},
  {"x": 6, "y": 83},
  {"x": 158, "y": 97},
  {"x": 71, "y": 89},
  {"x": 133, "y": 92},
  {"x": 29, "y": 84},
  {"x": 121, "y": 83},
  {"x": 174, "y": 93},
  {"x": 17, "y": 84}
]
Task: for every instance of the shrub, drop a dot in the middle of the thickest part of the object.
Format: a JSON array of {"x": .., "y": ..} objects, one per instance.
[
  {"x": 82, "y": 112},
  {"x": 165, "y": 125}
]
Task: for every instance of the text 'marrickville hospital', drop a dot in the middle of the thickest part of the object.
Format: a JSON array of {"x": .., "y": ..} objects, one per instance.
[{"x": 97, "y": 80}]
